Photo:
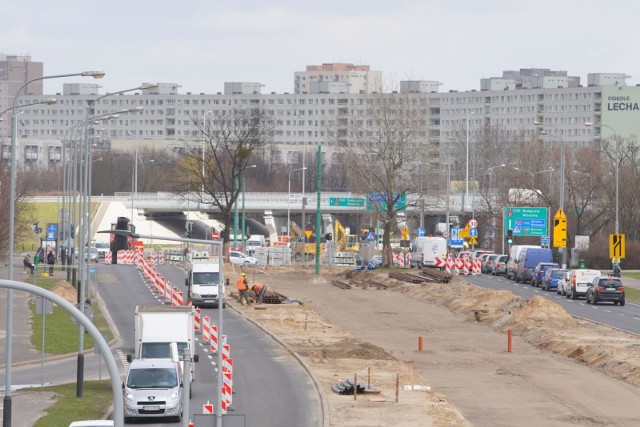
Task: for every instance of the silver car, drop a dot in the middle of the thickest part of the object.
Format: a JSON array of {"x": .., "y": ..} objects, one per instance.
[{"x": 153, "y": 388}]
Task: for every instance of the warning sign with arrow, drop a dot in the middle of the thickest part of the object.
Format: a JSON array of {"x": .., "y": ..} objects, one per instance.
[{"x": 473, "y": 241}]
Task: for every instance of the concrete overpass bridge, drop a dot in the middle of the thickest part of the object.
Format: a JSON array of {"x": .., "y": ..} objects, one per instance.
[{"x": 167, "y": 213}]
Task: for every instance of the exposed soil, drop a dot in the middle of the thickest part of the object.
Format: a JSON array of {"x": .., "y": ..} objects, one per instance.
[{"x": 538, "y": 384}]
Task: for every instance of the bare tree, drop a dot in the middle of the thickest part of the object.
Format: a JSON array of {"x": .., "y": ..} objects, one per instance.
[
  {"x": 24, "y": 216},
  {"x": 383, "y": 145},
  {"x": 210, "y": 168}
]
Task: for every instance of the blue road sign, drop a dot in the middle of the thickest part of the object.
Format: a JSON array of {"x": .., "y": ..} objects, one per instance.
[
  {"x": 473, "y": 232},
  {"x": 545, "y": 241},
  {"x": 371, "y": 235},
  {"x": 421, "y": 231}
]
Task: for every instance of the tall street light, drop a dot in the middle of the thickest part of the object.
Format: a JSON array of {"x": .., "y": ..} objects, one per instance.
[
  {"x": 12, "y": 223},
  {"x": 85, "y": 231},
  {"x": 489, "y": 171},
  {"x": 563, "y": 250},
  {"x": 205, "y": 129},
  {"x": 244, "y": 184},
  {"x": 289, "y": 203},
  {"x": 617, "y": 159}
]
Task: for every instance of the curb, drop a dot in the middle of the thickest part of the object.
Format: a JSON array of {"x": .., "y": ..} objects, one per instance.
[{"x": 316, "y": 382}]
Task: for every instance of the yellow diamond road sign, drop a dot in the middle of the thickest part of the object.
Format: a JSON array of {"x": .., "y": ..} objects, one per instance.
[{"x": 473, "y": 241}]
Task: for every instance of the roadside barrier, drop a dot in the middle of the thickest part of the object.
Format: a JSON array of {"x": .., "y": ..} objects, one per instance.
[{"x": 206, "y": 329}]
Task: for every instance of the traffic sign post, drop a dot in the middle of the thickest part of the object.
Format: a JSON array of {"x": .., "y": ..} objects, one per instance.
[
  {"x": 525, "y": 221},
  {"x": 560, "y": 229},
  {"x": 617, "y": 246}
]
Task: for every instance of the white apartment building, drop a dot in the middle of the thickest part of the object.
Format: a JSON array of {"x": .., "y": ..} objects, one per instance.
[
  {"x": 305, "y": 120},
  {"x": 338, "y": 78}
]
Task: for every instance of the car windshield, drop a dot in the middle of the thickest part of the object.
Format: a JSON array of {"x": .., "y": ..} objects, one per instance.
[
  {"x": 557, "y": 274},
  {"x": 152, "y": 378},
  {"x": 206, "y": 278}
]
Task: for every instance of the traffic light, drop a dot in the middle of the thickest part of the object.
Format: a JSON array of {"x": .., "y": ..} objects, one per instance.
[{"x": 510, "y": 236}]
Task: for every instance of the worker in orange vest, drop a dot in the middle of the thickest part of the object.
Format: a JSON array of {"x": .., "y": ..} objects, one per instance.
[
  {"x": 259, "y": 290},
  {"x": 243, "y": 285}
]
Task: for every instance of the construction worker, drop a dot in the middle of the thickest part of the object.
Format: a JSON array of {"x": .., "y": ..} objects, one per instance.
[
  {"x": 242, "y": 284},
  {"x": 259, "y": 290}
]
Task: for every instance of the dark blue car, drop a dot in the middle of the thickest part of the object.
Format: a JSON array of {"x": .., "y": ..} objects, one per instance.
[
  {"x": 538, "y": 272},
  {"x": 551, "y": 277}
]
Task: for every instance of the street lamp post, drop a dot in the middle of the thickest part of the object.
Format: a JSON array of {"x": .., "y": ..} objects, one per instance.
[
  {"x": 489, "y": 171},
  {"x": 205, "y": 132},
  {"x": 617, "y": 159},
  {"x": 562, "y": 250},
  {"x": 11, "y": 240},
  {"x": 243, "y": 211},
  {"x": 289, "y": 203}
]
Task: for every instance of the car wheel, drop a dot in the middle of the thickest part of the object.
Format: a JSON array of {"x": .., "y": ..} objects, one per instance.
[
  {"x": 586, "y": 299},
  {"x": 622, "y": 302}
]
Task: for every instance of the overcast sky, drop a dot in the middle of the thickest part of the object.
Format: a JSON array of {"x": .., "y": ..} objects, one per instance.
[{"x": 202, "y": 44}]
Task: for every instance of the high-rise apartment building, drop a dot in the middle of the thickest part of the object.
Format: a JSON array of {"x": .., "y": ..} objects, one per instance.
[
  {"x": 15, "y": 70},
  {"x": 511, "y": 103},
  {"x": 337, "y": 78}
]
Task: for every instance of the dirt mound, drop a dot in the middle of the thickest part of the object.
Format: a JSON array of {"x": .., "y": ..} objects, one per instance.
[
  {"x": 348, "y": 348},
  {"x": 63, "y": 289},
  {"x": 540, "y": 312}
]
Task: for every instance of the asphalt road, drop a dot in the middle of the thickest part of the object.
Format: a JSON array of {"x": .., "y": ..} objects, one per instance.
[
  {"x": 626, "y": 318},
  {"x": 270, "y": 387}
]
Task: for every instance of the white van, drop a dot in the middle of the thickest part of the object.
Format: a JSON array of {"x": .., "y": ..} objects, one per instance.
[
  {"x": 153, "y": 388},
  {"x": 425, "y": 249},
  {"x": 514, "y": 256},
  {"x": 578, "y": 282}
]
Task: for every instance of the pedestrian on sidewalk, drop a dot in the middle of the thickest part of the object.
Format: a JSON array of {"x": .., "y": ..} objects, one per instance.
[
  {"x": 51, "y": 260},
  {"x": 259, "y": 290},
  {"x": 242, "y": 285},
  {"x": 28, "y": 264}
]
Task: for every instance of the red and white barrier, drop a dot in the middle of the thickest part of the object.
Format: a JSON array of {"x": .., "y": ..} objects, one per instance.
[
  {"x": 206, "y": 329},
  {"x": 197, "y": 316},
  {"x": 214, "y": 339},
  {"x": 107, "y": 257}
]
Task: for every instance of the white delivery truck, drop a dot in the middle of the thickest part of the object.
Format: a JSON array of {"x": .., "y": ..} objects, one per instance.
[
  {"x": 254, "y": 242},
  {"x": 204, "y": 281},
  {"x": 425, "y": 249},
  {"x": 163, "y": 332}
]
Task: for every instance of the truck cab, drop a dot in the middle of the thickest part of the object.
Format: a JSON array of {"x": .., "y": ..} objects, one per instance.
[{"x": 203, "y": 282}]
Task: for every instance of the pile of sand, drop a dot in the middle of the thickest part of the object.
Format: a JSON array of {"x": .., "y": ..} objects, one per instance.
[{"x": 63, "y": 289}]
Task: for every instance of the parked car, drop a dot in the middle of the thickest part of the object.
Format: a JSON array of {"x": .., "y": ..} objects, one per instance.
[
  {"x": 487, "y": 262},
  {"x": 551, "y": 278},
  {"x": 528, "y": 260},
  {"x": 579, "y": 281},
  {"x": 239, "y": 258},
  {"x": 91, "y": 254},
  {"x": 538, "y": 272},
  {"x": 563, "y": 284},
  {"x": 606, "y": 289},
  {"x": 500, "y": 266}
]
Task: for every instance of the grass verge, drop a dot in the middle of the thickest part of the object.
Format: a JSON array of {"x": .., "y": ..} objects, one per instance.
[
  {"x": 96, "y": 401},
  {"x": 61, "y": 334}
]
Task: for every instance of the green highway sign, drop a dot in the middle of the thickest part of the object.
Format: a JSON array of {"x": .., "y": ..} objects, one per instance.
[
  {"x": 526, "y": 221},
  {"x": 346, "y": 201}
]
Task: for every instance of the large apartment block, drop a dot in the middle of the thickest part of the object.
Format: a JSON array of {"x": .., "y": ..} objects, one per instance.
[{"x": 511, "y": 102}]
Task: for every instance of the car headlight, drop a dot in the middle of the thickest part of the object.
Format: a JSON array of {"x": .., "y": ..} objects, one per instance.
[
  {"x": 174, "y": 396},
  {"x": 129, "y": 396}
]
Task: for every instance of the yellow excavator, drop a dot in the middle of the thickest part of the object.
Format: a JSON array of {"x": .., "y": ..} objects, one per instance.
[
  {"x": 346, "y": 242},
  {"x": 298, "y": 245}
]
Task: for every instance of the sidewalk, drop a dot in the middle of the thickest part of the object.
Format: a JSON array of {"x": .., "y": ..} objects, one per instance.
[{"x": 26, "y": 408}]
